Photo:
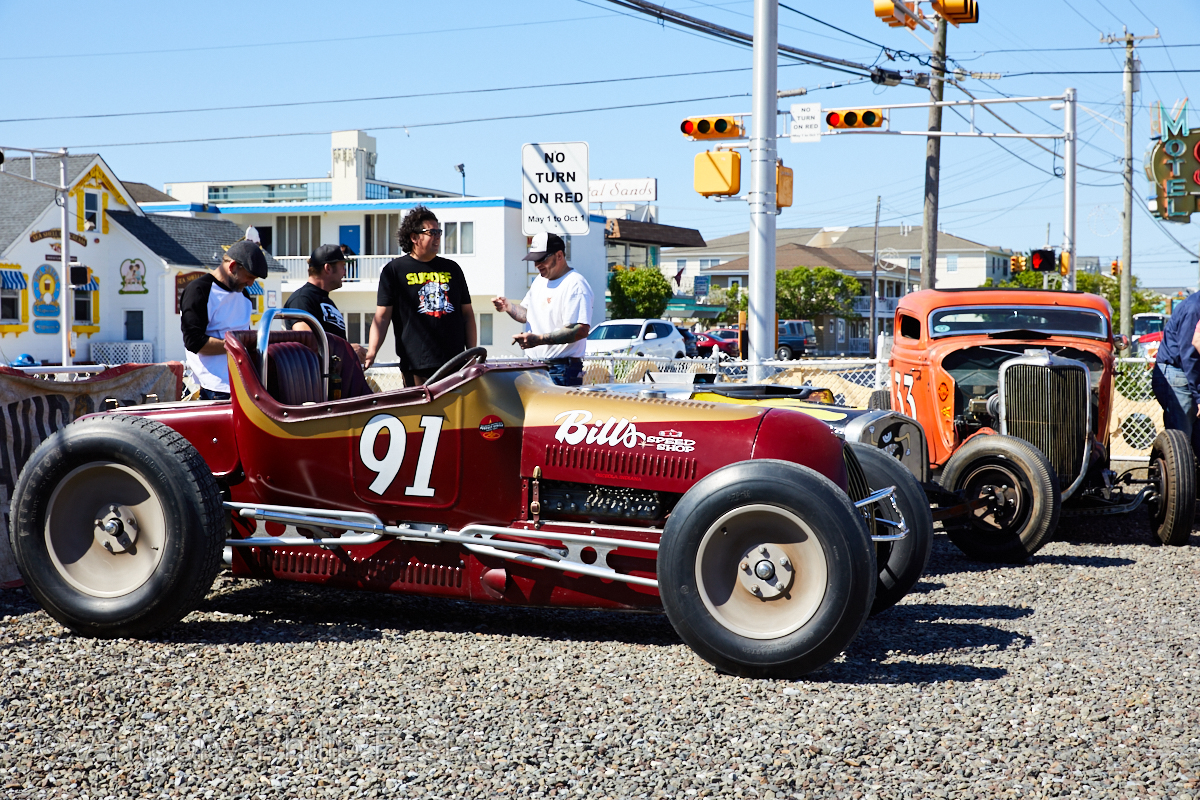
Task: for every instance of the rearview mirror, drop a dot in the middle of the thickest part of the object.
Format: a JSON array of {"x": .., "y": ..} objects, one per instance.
[{"x": 1121, "y": 341}]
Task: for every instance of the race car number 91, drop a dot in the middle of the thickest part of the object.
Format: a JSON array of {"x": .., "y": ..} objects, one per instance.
[{"x": 388, "y": 466}]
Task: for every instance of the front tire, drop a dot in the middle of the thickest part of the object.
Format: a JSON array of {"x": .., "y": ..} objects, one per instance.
[
  {"x": 1172, "y": 465},
  {"x": 901, "y": 563},
  {"x": 117, "y": 526},
  {"x": 1025, "y": 513},
  {"x": 880, "y": 399},
  {"x": 784, "y": 353},
  {"x": 766, "y": 569}
]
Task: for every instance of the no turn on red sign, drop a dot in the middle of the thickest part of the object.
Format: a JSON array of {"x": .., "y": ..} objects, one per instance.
[{"x": 554, "y": 188}]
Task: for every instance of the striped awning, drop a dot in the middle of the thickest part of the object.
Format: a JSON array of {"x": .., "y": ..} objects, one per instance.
[
  {"x": 255, "y": 289},
  {"x": 90, "y": 286},
  {"x": 12, "y": 279}
]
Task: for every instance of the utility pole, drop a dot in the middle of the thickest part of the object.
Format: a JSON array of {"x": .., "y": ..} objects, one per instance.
[
  {"x": 1069, "y": 152},
  {"x": 1126, "y": 276},
  {"x": 765, "y": 101},
  {"x": 875, "y": 276},
  {"x": 933, "y": 155}
]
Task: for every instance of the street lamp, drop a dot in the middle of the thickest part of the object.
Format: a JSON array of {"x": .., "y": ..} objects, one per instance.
[{"x": 461, "y": 169}]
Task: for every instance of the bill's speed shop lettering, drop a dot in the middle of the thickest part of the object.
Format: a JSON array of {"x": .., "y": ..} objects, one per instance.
[
  {"x": 554, "y": 196},
  {"x": 574, "y": 429}
]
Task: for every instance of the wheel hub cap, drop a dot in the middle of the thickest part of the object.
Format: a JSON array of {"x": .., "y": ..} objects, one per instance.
[
  {"x": 770, "y": 576},
  {"x": 116, "y": 529}
]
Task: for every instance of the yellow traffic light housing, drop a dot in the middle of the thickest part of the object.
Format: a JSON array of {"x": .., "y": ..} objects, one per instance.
[
  {"x": 886, "y": 10},
  {"x": 717, "y": 172},
  {"x": 956, "y": 12},
  {"x": 726, "y": 127},
  {"x": 1064, "y": 264},
  {"x": 1014, "y": 263},
  {"x": 1024, "y": 261},
  {"x": 855, "y": 118},
  {"x": 1116, "y": 267},
  {"x": 783, "y": 185}
]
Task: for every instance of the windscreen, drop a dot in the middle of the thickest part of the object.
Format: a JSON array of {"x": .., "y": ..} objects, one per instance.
[
  {"x": 1048, "y": 320},
  {"x": 615, "y": 332},
  {"x": 1144, "y": 325}
]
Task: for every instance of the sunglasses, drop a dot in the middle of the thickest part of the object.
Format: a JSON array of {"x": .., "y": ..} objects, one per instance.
[{"x": 431, "y": 231}]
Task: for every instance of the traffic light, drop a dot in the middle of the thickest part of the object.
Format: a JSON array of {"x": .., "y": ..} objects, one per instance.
[
  {"x": 1116, "y": 267},
  {"x": 783, "y": 185},
  {"x": 1023, "y": 260},
  {"x": 1064, "y": 264},
  {"x": 1042, "y": 261},
  {"x": 857, "y": 118},
  {"x": 1014, "y": 263},
  {"x": 887, "y": 10},
  {"x": 712, "y": 128},
  {"x": 957, "y": 12},
  {"x": 717, "y": 172}
]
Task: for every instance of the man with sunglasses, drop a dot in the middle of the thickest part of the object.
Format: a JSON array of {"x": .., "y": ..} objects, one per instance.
[
  {"x": 216, "y": 303},
  {"x": 557, "y": 311},
  {"x": 426, "y": 299}
]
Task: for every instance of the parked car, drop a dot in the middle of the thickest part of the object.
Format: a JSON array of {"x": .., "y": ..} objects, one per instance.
[
  {"x": 489, "y": 483},
  {"x": 638, "y": 337},
  {"x": 1014, "y": 389},
  {"x": 797, "y": 338},
  {"x": 1150, "y": 322},
  {"x": 689, "y": 342},
  {"x": 707, "y": 342}
]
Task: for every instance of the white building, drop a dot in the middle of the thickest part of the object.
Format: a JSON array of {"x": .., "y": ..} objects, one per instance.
[
  {"x": 139, "y": 262},
  {"x": 294, "y": 215}
]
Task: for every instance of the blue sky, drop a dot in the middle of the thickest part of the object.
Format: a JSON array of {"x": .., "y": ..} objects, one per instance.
[{"x": 155, "y": 56}]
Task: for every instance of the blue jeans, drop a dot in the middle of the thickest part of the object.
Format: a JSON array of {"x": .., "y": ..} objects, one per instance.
[
  {"x": 212, "y": 394},
  {"x": 1171, "y": 390},
  {"x": 566, "y": 371}
]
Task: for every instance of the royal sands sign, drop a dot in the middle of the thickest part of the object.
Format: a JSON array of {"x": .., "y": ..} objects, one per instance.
[{"x": 1173, "y": 164}]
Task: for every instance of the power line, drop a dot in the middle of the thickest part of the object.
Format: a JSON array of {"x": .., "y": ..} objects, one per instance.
[
  {"x": 1097, "y": 72},
  {"x": 373, "y": 99},
  {"x": 414, "y": 124},
  {"x": 835, "y": 27}
]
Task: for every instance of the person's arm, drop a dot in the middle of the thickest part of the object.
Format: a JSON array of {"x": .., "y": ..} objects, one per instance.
[
  {"x": 514, "y": 310},
  {"x": 379, "y": 326},
  {"x": 471, "y": 330},
  {"x": 564, "y": 335},
  {"x": 193, "y": 321},
  {"x": 300, "y": 325}
]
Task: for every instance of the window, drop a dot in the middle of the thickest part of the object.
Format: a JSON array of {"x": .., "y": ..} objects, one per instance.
[
  {"x": 297, "y": 235},
  {"x": 91, "y": 211},
  {"x": 10, "y": 305},
  {"x": 83, "y": 307},
  {"x": 458, "y": 238},
  {"x": 485, "y": 329},
  {"x": 133, "y": 325},
  {"x": 680, "y": 263},
  {"x": 322, "y": 190},
  {"x": 354, "y": 327},
  {"x": 952, "y": 262},
  {"x": 708, "y": 262},
  {"x": 734, "y": 286},
  {"x": 910, "y": 327},
  {"x": 914, "y": 263},
  {"x": 380, "y": 235}
]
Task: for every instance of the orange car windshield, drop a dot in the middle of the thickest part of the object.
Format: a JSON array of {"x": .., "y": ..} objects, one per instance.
[{"x": 1018, "y": 322}]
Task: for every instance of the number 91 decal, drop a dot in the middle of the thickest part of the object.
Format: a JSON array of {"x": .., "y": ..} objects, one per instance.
[{"x": 388, "y": 467}]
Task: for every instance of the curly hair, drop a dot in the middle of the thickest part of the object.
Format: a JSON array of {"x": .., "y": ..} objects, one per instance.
[{"x": 412, "y": 224}]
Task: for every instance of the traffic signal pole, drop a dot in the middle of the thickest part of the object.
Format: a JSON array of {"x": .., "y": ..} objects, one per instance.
[
  {"x": 761, "y": 316},
  {"x": 933, "y": 157},
  {"x": 1068, "y": 246}
]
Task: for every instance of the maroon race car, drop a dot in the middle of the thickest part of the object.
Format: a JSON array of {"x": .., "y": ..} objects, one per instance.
[{"x": 490, "y": 484}]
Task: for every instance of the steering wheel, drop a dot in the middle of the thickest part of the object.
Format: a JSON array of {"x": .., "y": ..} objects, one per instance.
[{"x": 458, "y": 362}]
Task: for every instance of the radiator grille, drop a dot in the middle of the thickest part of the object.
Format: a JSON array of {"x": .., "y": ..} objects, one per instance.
[
  {"x": 859, "y": 488},
  {"x": 625, "y": 462},
  {"x": 1047, "y": 407}
]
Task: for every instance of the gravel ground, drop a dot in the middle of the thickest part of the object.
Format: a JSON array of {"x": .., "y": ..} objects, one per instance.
[{"x": 1073, "y": 676}]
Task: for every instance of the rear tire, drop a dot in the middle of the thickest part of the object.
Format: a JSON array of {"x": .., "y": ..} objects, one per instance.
[
  {"x": 785, "y": 531},
  {"x": 900, "y": 563},
  {"x": 880, "y": 400},
  {"x": 1173, "y": 464},
  {"x": 1025, "y": 518},
  {"x": 161, "y": 549}
]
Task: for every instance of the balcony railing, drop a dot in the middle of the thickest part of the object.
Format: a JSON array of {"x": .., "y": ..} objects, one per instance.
[
  {"x": 884, "y": 306},
  {"x": 358, "y": 268}
]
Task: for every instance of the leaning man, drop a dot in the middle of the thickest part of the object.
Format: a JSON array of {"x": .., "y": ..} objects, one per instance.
[
  {"x": 214, "y": 304},
  {"x": 326, "y": 272},
  {"x": 557, "y": 311},
  {"x": 1176, "y": 377}
]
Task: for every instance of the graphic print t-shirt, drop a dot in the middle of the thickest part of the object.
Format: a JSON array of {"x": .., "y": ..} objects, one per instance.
[
  {"x": 316, "y": 301},
  {"x": 427, "y": 298}
]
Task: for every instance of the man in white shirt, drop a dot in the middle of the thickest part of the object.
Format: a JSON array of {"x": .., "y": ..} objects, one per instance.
[
  {"x": 557, "y": 311},
  {"x": 213, "y": 305}
]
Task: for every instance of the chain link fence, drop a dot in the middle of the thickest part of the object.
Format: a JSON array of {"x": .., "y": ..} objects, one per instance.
[{"x": 1134, "y": 422}]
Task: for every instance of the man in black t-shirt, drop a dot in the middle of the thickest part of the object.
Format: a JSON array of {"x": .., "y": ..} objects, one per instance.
[
  {"x": 326, "y": 271},
  {"x": 426, "y": 298}
]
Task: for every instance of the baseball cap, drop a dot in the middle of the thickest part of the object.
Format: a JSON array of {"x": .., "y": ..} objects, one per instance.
[
  {"x": 543, "y": 245},
  {"x": 326, "y": 254},
  {"x": 250, "y": 256}
]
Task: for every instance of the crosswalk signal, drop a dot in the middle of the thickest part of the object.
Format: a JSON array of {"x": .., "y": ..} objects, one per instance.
[
  {"x": 717, "y": 172},
  {"x": 783, "y": 185},
  {"x": 1064, "y": 264},
  {"x": 1042, "y": 261},
  {"x": 856, "y": 118},
  {"x": 957, "y": 12},
  {"x": 698, "y": 128}
]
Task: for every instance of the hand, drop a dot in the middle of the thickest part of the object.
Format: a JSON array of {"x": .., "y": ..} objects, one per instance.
[
  {"x": 360, "y": 353},
  {"x": 501, "y": 304},
  {"x": 527, "y": 339},
  {"x": 368, "y": 359}
]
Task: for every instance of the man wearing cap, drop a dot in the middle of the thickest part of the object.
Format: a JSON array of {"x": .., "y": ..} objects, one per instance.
[
  {"x": 214, "y": 304},
  {"x": 326, "y": 271},
  {"x": 557, "y": 311},
  {"x": 428, "y": 299}
]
